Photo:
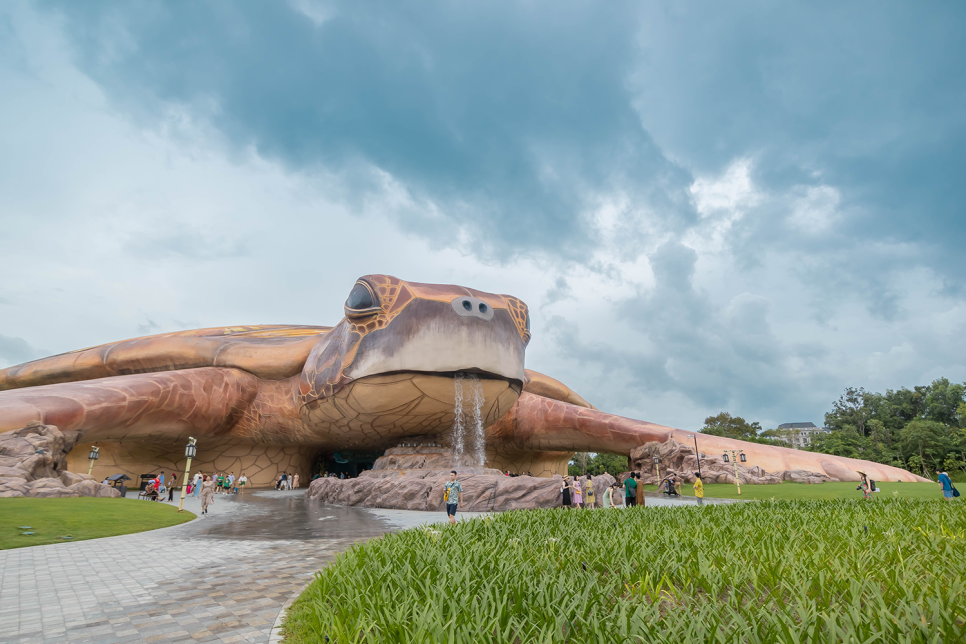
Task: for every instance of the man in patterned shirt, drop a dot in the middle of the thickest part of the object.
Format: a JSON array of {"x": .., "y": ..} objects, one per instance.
[{"x": 452, "y": 496}]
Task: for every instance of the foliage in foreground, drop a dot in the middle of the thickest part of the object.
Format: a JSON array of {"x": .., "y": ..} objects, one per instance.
[
  {"x": 80, "y": 518},
  {"x": 888, "y": 570}
]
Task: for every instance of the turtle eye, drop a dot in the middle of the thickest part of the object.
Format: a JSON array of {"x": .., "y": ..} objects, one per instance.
[{"x": 361, "y": 301}]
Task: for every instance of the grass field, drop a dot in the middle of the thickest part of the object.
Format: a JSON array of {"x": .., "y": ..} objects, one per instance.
[
  {"x": 804, "y": 491},
  {"x": 893, "y": 570},
  {"x": 81, "y": 518}
]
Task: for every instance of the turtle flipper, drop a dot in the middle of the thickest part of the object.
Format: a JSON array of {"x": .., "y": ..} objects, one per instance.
[
  {"x": 543, "y": 425},
  {"x": 168, "y": 406},
  {"x": 544, "y": 385},
  {"x": 267, "y": 351}
]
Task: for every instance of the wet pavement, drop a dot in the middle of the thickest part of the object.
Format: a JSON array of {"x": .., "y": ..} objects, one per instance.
[{"x": 223, "y": 577}]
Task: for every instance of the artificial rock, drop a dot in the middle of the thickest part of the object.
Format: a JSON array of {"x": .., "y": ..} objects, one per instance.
[
  {"x": 35, "y": 465},
  {"x": 481, "y": 492}
]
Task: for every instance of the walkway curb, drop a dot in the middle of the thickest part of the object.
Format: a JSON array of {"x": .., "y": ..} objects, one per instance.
[{"x": 276, "y": 636}]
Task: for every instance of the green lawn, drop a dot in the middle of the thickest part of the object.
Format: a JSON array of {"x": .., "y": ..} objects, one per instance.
[
  {"x": 805, "y": 491},
  {"x": 81, "y": 518},
  {"x": 811, "y": 571}
]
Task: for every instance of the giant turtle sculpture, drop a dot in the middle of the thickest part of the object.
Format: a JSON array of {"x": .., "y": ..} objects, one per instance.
[{"x": 267, "y": 398}]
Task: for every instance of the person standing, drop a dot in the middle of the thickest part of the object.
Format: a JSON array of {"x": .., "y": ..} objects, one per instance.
[
  {"x": 241, "y": 483},
  {"x": 295, "y": 481},
  {"x": 452, "y": 496},
  {"x": 945, "y": 484},
  {"x": 220, "y": 483},
  {"x": 207, "y": 494},
  {"x": 199, "y": 478},
  {"x": 173, "y": 481},
  {"x": 578, "y": 493},
  {"x": 608, "y": 499},
  {"x": 589, "y": 491},
  {"x": 565, "y": 491},
  {"x": 231, "y": 483},
  {"x": 698, "y": 489},
  {"x": 640, "y": 490},
  {"x": 630, "y": 490}
]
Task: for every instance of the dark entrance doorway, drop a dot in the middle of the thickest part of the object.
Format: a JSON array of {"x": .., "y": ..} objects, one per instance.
[{"x": 351, "y": 464}]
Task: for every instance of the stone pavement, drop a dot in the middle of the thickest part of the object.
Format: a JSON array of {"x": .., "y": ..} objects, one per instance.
[
  {"x": 221, "y": 578},
  {"x": 224, "y": 577}
]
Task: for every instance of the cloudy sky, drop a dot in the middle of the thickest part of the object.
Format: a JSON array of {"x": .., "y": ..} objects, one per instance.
[{"x": 708, "y": 206}]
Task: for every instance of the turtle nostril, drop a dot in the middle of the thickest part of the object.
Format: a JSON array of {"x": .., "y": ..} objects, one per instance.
[
  {"x": 467, "y": 305},
  {"x": 482, "y": 307}
]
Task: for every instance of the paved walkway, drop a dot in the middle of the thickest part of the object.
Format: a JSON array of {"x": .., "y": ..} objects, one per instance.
[{"x": 221, "y": 578}]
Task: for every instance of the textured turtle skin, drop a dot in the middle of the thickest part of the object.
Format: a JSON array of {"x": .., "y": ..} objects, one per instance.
[{"x": 276, "y": 394}]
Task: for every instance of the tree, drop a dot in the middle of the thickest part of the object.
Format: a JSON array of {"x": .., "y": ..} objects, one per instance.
[
  {"x": 942, "y": 402},
  {"x": 926, "y": 440},
  {"x": 596, "y": 464},
  {"x": 852, "y": 408},
  {"x": 724, "y": 424},
  {"x": 578, "y": 464},
  {"x": 843, "y": 442},
  {"x": 779, "y": 437}
]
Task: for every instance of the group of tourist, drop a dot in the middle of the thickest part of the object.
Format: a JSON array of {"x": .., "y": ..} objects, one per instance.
[
  {"x": 330, "y": 475},
  {"x": 577, "y": 494},
  {"x": 207, "y": 485},
  {"x": 286, "y": 481},
  {"x": 582, "y": 495},
  {"x": 222, "y": 483}
]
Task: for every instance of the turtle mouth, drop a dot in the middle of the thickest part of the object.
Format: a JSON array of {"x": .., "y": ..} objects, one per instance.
[
  {"x": 378, "y": 409},
  {"x": 471, "y": 372}
]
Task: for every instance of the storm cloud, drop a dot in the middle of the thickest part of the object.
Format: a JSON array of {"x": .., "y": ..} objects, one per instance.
[{"x": 741, "y": 207}]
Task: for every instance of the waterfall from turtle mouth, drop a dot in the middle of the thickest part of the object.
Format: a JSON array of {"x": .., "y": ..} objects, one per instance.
[{"x": 468, "y": 440}]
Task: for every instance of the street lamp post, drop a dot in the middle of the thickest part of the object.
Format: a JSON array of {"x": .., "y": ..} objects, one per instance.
[
  {"x": 93, "y": 456},
  {"x": 697, "y": 456},
  {"x": 190, "y": 451},
  {"x": 657, "y": 468},
  {"x": 736, "y": 454}
]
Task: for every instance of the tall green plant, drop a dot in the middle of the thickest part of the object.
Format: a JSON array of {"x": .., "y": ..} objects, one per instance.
[{"x": 888, "y": 570}]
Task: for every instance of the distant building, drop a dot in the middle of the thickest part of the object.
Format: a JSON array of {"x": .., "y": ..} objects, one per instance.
[{"x": 800, "y": 434}]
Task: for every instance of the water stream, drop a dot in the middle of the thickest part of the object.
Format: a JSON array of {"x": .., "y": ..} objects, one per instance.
[{"x": 468, "y": 440}]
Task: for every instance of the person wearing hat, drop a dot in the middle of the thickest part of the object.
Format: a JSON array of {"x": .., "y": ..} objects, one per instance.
[{"x": 864, "y": 486}]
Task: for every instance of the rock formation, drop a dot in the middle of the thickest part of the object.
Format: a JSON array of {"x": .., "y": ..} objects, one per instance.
[
  {"x": 679, "y": 459},
  {"x": 33, "y": 462},
  {"x": 423, "y": 490}
]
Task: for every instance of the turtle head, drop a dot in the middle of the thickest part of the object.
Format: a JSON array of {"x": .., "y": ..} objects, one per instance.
[{"x": 399, "y": 349}]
